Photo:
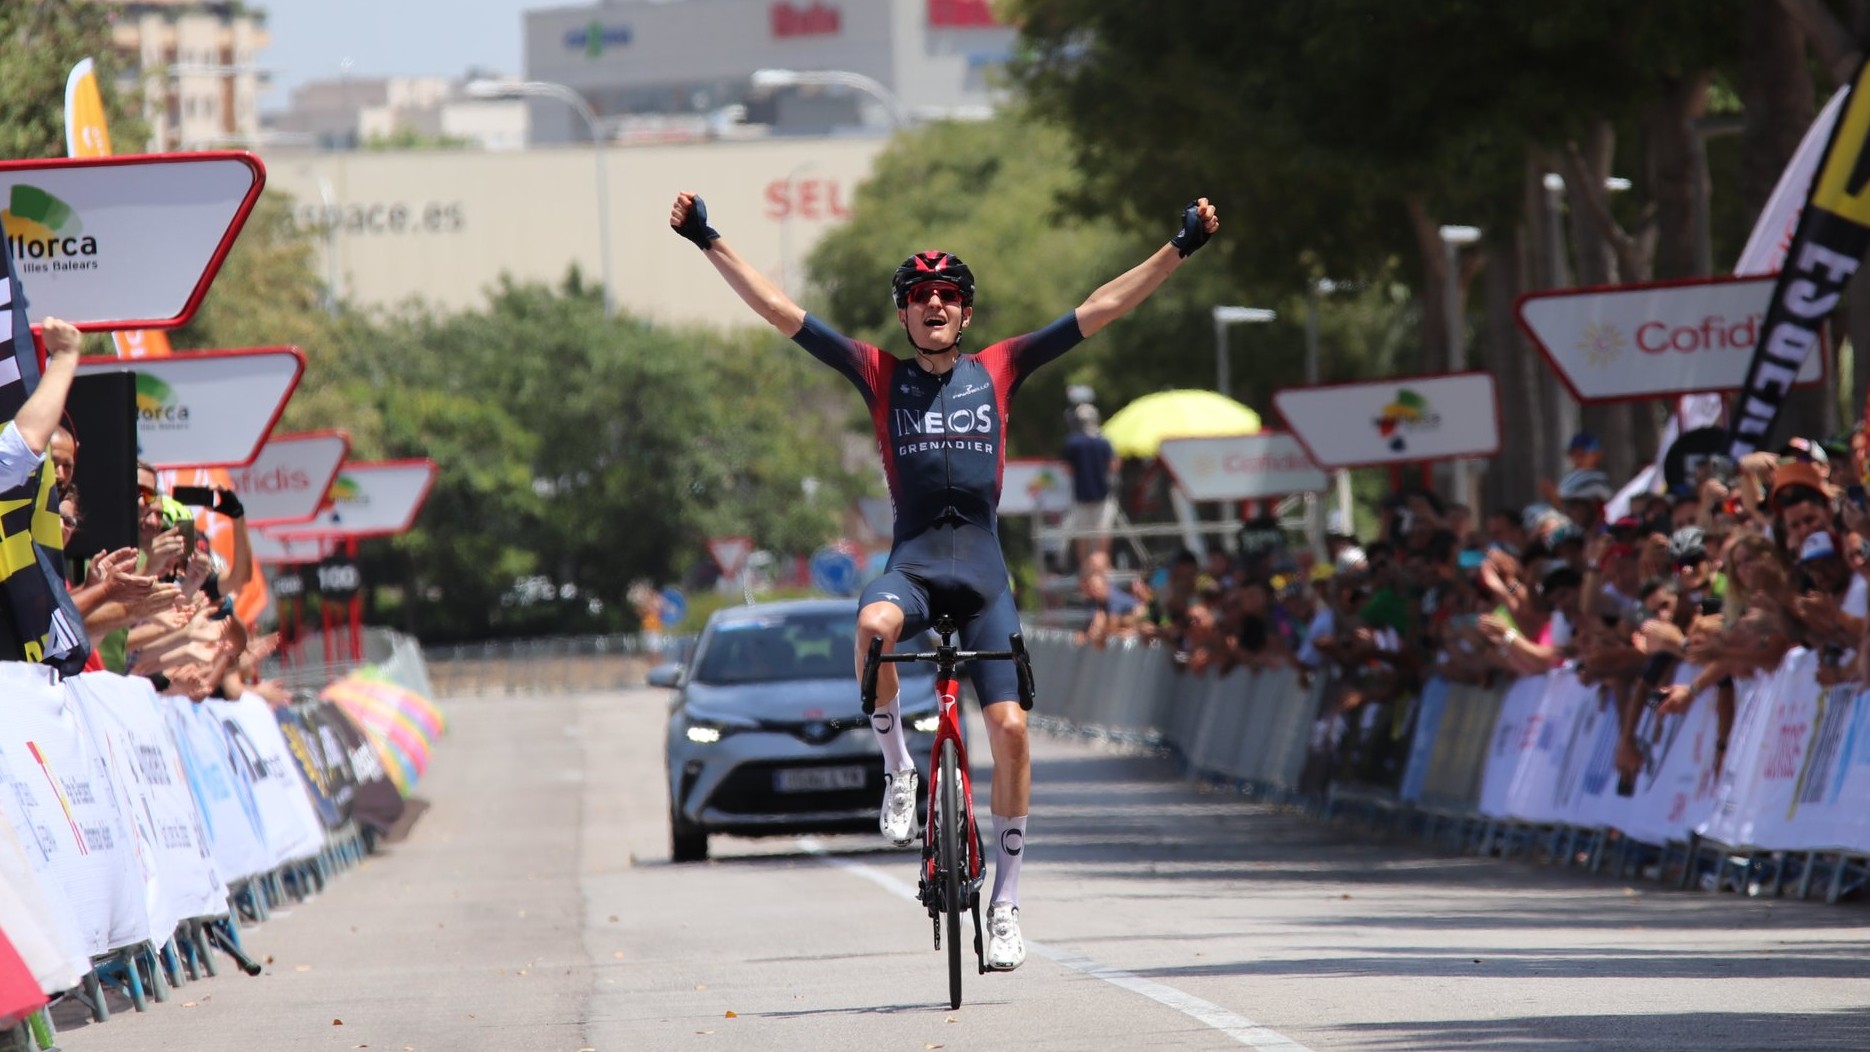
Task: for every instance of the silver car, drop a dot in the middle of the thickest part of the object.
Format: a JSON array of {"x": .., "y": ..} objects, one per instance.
[{"x": 766, "y": 732}]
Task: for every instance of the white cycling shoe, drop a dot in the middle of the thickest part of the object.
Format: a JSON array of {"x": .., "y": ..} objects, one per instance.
[
  {"x": 1006, "y": 950},
  {"x": 898, "y": 818}
]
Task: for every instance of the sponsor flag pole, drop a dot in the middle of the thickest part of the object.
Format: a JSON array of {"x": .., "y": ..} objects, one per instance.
[
  {"x": 87, "y": 134},
  {"x": 1832, "y": 235}
]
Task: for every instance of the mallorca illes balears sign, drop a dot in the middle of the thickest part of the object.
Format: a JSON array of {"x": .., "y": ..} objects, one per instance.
[
  {"x": 125, "y": 242},
  {"x": 369, "y": 499},
  {"x": 207, "y": 408},
  {"x": 1400, "y": 420}
]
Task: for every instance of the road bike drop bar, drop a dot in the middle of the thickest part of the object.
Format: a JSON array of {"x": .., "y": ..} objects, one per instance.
[{"x": 949, "y": 657}]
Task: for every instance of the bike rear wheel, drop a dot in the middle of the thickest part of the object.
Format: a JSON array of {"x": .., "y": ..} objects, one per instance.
[{"x": 950, "y": 858}]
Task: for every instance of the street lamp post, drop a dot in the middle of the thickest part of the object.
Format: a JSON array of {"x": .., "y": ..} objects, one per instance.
[
  {"x": 1223, "y": 317},
  {"x": 770, "y": 79},
  {"x": 1452, "y": 239},
  {"x": 518, "y": 89}
]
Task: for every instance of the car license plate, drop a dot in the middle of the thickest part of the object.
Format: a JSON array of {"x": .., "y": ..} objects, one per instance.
[{"x": 817, "y": 779}]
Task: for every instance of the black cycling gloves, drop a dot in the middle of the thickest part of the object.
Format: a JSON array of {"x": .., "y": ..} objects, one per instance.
[
  {"x": 1193, "y": 234},
  {"x": 226, "y": 503},
  {"x": 695, "y": 226}
]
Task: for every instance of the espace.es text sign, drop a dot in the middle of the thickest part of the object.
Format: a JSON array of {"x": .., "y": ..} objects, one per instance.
[
  {"x": 369, "y": 499},
  {"x": 1396, "y": 421},
  {"x": 1655, "y": 339},
  {"x": 124, "y": 242},
  {"x": 288, "y": 481},
  {"x": 207, "y": 408},
  {"x": 1241, "y": 467}
]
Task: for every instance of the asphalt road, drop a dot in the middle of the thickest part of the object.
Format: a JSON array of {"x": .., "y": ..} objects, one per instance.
[{"x": 534, "y": 907}]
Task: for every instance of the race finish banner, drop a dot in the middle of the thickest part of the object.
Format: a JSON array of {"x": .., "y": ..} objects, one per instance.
[
  {"x": 288, "y": 481},
  {"x": 369, "y": 499},
  {"x": 1241, "y": 467},
  {"x": 1629, "y": 342},
  {"x": 1833, "y": 233},
  {"x": 125, "y": 242},
  {"x": 207, "y": 408},
  {"x": 1402, "y": 420},
  {"x": 1032, "y": 485}
]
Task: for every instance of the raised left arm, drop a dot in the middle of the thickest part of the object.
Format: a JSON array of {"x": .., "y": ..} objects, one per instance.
[{"x": 1128, "y": 290}]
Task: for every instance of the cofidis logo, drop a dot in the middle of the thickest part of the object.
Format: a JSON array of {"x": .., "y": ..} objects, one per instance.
[
  {"x": 1407, "y": 412},
  {"x": 44, "y": 233},
  {"x": 156, "y": 405}
]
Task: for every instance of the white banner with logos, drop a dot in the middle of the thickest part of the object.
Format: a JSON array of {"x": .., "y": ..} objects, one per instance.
[
  {"x": 259, "y": 755},
  {"x": 58, "y": 793},
  {"x": 1652, "y": 340},
  {"x": 207, "y": 408},
  {"x": 1395, "y": 421},
  {"x": 124, "y": 242},
  {"x": 370, "y": 499},
  {"x": 36, "y": 917},
  {"x": 1241, "y": 467},
  {"x": 1031, "y": 485},
  {"x": 177, "y": 864},
  {"x": 230, "y": 818},
  {"x": 287, "y": 482}
]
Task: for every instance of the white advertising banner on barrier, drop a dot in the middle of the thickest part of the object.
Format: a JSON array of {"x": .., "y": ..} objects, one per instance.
[
  {"x": 229, "y": 816},
  {"x": 1515, "y": 733},
  {"x": 1241, "y": 467},
  {"x": 35, "y": 915},
  {"x": 148, "y": 773},
  {"x": 1651, "y": 340},
  {"x": 125, "y": 242},
  {"x": 289, "y": 479},
  {"x": 1031, "y": 485},
  {"x": 207, "y": 408},
  {"x": 66, "y": 810},
  {"x": 1396, "y": 421},
  {"x": 370, "y": 499},
  {"x": 259, "y": 755}
]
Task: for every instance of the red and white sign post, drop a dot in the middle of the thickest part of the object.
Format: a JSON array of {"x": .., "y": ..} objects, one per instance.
[{"x": 730, "y": 553}]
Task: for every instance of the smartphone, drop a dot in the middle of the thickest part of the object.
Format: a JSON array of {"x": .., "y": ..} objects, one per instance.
[
  {"x": 187, "y": 528},
  {"x": 194, "y": 496},
  {"x": 1855, "y": 494}
]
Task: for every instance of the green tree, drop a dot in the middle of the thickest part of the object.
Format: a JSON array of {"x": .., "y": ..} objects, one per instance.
[{"x": 40, "y": 41}]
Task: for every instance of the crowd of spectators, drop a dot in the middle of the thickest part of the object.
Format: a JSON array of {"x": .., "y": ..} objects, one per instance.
[
  {"x": 161, "y": 608},
  {"x": 1721, "y": 576}
]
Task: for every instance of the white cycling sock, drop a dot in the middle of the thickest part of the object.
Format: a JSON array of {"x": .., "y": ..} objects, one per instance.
[
  {"x": 887, "y": 722},
  {"x": 1010, "y": 834}
]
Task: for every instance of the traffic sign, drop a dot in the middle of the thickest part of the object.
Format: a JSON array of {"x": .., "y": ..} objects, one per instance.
[
  {"x": 674, "y": 606},
  {"x": 730, "y": 553},
  {"x": 834, "y": 571}
]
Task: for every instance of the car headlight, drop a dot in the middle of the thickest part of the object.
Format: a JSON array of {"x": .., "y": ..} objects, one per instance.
[
  {"x": 927, "y": 724},
  {"x": 704, "y": 735}
]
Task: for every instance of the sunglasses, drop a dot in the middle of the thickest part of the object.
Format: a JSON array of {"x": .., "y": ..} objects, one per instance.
[
  {"x": 1690, "y": 562},
  {"x": 948, "y": 294}
]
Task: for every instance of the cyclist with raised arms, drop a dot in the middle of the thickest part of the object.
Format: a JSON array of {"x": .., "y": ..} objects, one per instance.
[{"x": 940, "y": 420}]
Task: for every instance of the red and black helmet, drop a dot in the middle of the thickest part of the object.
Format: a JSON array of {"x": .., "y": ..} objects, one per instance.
[{"x": 932, "y": 265}]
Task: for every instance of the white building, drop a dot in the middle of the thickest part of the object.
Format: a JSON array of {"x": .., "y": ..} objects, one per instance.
[
  {"x": 697, "y": 57},
  {"x": 348, "y": 112},
  {"x": 196, "y": 63}
]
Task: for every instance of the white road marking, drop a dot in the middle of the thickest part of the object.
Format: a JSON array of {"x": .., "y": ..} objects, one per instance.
[{"x": 1234, "y": 1025}]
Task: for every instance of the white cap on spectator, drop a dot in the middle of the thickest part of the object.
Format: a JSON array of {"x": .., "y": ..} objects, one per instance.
[
  {"x": 1353, "y": 560},
  {"x": 1819, "y": 545}
]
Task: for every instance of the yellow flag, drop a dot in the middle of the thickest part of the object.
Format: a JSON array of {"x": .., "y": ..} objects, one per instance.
[{"x": 86, "y": 133}]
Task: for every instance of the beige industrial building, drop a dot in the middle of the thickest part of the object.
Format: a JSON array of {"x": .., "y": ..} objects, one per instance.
[
  {"x": 196, "y": 64},
  {"x": 444, "y": 225}
]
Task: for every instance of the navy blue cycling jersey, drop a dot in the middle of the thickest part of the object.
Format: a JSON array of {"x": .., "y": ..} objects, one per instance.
[{"x": 943, "y": 438}]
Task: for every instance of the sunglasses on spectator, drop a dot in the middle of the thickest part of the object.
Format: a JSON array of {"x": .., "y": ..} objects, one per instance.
[
  {"x": 145, "y": 494},
  {"x": 1688, "y": 562},
  {"x": 948, "y": 294}
]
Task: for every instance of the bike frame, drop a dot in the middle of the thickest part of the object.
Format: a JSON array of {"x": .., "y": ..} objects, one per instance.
[{"x": 948, "y": 728}]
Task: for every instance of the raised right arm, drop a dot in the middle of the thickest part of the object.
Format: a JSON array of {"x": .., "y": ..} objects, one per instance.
[{"x": 689, "y": 218}]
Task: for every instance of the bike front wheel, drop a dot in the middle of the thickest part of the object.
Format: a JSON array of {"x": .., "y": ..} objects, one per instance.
[{"x": 951, "y": 827}]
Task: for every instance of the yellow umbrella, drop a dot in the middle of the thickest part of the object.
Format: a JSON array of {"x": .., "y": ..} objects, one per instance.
[{"x": 1137, "y": 430}]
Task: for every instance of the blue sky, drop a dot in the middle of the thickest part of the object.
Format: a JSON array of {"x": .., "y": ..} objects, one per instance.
[{"x": 312, "y": 38}]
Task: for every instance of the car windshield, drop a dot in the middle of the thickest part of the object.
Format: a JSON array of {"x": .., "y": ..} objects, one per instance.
[{"x": 782, "y": 647}]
